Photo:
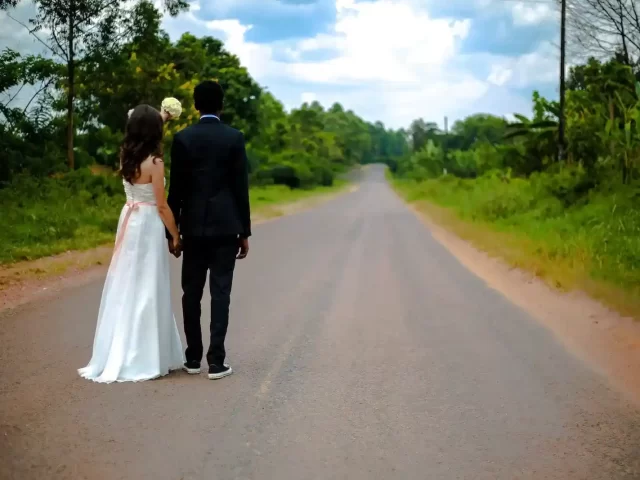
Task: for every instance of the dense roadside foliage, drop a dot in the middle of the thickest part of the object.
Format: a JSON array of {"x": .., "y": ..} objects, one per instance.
[{"x": 574, "y": 222}]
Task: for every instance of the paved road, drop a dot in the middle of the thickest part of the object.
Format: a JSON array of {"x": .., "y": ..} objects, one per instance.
[{"x": 362, "y": 350}]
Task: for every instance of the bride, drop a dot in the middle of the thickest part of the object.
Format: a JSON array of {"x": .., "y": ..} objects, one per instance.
[{"x": 136, "y": 336}]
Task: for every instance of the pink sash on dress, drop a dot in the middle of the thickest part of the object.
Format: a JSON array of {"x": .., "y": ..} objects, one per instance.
[{"x": 132, "y": 206}]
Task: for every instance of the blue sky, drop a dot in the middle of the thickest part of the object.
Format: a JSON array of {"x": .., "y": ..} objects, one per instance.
[{"x": 388, "y": 60}]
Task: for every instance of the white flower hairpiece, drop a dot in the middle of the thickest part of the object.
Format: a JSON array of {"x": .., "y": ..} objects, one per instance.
[{"x": 172, "y": 106}]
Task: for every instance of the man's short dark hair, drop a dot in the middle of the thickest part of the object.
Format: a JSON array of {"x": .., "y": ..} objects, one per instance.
[{"x": 208, "y": 97}]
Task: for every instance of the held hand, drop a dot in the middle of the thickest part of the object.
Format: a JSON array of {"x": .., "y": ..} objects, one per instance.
[
  {"x": 175, "y": 247},
  {"x": 243, "y": 248}
]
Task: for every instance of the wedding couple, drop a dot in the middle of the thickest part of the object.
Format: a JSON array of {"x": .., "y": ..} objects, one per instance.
[{"x": 206, "y": 218}]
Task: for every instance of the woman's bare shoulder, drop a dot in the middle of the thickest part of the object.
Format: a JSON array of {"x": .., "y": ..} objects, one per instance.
[
  {"x": 147, "y": 168},
  {"x": 152, "y": 163}
]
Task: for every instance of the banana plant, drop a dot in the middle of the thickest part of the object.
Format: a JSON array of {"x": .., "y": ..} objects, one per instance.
[
  {"x": 543, "y": 129},
  {"x": 538, "y": 138},
  {"x": 622, "y": 133}
]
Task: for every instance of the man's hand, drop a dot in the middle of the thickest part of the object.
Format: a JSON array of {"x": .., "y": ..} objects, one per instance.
[
  {"x": 243, "y": 248},
  {"x": 175, "y": 247}
]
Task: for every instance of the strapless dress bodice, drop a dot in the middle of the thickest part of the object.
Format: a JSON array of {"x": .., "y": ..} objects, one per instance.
[{"x": 140, "y": 192}]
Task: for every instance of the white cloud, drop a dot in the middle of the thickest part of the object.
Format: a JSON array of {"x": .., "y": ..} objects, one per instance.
[
  {"x": 389, "y": 41},
  {"x": 499, "y": 75},
  {"x": 392, "y": 61},
  {"x": 394, "y": 50},
  {"x": 256, "y": 57},
  {"x": 386, "y": 41},
  {"x": 308, "y": 97},
  {"x": 526, "y": 71},
  {"x": 533, "y": 14}
]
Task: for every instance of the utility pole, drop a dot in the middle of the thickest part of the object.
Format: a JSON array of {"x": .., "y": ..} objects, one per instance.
[
  {"x": 563, "y": 48},
  {"x": 445, "y": 144}
]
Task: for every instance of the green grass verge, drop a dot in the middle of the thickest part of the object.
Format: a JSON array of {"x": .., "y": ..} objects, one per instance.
[
  {"x": 271, "y": 195},
  {"x": 79, "y": 211},
  {"x": 592, "y": 245}
]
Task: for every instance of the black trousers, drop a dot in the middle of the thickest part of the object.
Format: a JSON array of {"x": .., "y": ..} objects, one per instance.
[{"x": 218, "y": 257}]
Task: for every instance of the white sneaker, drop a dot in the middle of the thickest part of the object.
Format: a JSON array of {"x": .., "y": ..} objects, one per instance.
[{"x": 191, "y": 368}]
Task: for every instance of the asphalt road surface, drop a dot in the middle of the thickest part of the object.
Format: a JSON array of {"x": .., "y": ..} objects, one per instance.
[{"x": 362, "y": 350}]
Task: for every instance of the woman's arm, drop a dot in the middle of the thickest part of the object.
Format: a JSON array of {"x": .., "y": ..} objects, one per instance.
[{"x": 157, "y": 179}]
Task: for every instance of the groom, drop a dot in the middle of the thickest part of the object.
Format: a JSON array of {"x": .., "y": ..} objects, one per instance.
[{"x": 209, "y": 197}]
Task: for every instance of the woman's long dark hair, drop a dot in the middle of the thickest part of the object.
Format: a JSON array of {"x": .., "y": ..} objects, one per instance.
[{"x": 142, "y": 138}]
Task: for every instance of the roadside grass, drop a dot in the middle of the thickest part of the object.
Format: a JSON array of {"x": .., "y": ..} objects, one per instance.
[
  {"x": 273, "y": 200},
  {"x": 80, "y": 210},
  {"x": 592, "y": 245}
]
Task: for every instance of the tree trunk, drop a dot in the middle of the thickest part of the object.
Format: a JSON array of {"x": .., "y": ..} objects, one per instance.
[{"x": 70, "y": 88}]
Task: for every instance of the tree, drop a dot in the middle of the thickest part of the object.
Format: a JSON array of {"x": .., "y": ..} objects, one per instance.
[
  {"x": 206, "y": 58},
  {"x": 139, "y": 71},
  {"x": 79, "y": 29},
  {"x": 421, "y": 132},
  {"x": 17, "y": 71},
  {"x": 300, "y": 149},
  {"x": 26, "y": 132},
  {"x": 477, "y": 128},
  {"x": 351, "y": 132},
  {"x": 601, "y": 27},
  {"x": 537, "y": 137}
]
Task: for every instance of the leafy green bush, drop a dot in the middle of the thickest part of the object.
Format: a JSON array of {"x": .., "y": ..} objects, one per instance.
[
  {"x": 43, "y": 216},
  {"x": 569, "y": 185},
  {"x": 80, "y": 210}
]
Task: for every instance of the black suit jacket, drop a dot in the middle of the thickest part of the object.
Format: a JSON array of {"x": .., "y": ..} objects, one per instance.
[{"x": 209, "y": 184}]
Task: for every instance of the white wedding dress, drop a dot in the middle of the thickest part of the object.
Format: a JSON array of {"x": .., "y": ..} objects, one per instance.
[{"x": 136, "y": 336}]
